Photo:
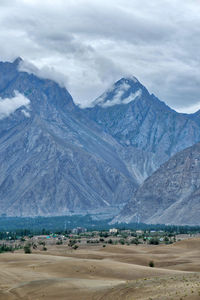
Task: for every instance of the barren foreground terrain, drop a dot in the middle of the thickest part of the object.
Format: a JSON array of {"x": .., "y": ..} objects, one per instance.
[{"x": 94, "y": 272}]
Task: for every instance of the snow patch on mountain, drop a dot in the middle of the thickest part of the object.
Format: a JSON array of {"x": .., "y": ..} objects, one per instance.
[{"x": 10, "y": 105}]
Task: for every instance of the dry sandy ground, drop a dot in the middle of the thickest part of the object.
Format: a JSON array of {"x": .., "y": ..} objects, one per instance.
[{"x": 93, "y": 272}]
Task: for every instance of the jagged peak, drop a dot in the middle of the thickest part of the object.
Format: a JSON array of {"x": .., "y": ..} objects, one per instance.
[
  {"x": 130, "y": 79},
  {"x": 123, "y": 91},
  {"x": 17, "y": 60}
]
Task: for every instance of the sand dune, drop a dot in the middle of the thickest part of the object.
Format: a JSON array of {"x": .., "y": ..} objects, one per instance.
[{"x": 114, "y": 272}]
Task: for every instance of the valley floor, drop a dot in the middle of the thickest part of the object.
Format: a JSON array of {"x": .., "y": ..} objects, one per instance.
[{"x": 96, "y": 273}]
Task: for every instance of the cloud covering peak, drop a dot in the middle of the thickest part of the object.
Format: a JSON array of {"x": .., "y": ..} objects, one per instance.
[
  {"x": 118, "y": 94},
  {"x": 10, "y": 105},
  {"x": 46, "y": 72}
]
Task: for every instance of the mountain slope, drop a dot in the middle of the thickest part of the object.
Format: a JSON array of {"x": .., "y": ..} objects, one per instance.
[
  {"x": 137, "y": 119},
  {"x": 56, "y": 158},
  {"x": 51, "y": 163},
  {"x": 171, "y": 195}
]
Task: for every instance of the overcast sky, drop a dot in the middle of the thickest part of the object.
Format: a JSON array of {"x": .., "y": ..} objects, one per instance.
[{"x": 88, "y": 44}]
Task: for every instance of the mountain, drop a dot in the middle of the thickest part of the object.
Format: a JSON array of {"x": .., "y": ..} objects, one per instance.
[
  {"x": 169, "y": 196},
  {"x": 58, "y": 159},
  {"x": 139, "y": 120},
  {"x": 51, "y": 162}
]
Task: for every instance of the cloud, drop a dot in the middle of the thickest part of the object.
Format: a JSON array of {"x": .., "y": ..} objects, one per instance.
[
  {"x": 45, "y": 72},
  {"x": 119, "y": 95},
  {"x": 191, "y": 109},
  {"x": 10, "y": 105},
  {"x": 86, "y": 45}
]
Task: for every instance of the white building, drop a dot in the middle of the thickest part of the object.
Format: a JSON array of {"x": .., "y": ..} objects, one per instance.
[{"x": 113, "y": 230}]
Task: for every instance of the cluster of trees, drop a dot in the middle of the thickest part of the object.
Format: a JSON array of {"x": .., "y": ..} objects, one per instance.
[
  {"x": 29, "y": 246},
  {"x": 66, "y": 223},
  {"x": 59, "y": 223},
  {"x": 8, "y": 248},
  {"x": 73, "y": 244}
]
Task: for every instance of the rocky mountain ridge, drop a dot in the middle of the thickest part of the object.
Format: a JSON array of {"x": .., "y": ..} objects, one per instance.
[
  {"x": 145, "y": 123},
  {"x": 171, "y": 195},
  {"x": 57, "y": 159},
  {"x": 51, "y": 163}
]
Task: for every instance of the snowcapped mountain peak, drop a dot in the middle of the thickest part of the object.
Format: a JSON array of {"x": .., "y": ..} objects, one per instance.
[{"x": 123, "y": 91}]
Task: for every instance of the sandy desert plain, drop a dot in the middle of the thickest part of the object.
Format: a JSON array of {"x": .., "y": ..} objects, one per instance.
[{"x": 98, "y": 273}]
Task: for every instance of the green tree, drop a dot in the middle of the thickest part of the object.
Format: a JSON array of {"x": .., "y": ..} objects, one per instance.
[
  {"x": 151, "y": 264},
  {"x": 27, "y": 249}
]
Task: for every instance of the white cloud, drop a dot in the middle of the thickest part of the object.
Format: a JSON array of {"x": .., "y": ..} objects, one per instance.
[
  {"x": 116, "y": 98},
  {"x": 26, "y": 113},
  {"x": 132, "y": 97},
  {"x": 10, "y": 105},
  {"x": 118, "y": 95},
  {"x": 90, "y": 44},
  {"x": 45, "y": 72},
  {"x": 189, "y": 109}
]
